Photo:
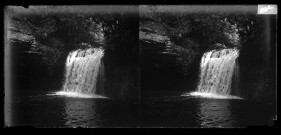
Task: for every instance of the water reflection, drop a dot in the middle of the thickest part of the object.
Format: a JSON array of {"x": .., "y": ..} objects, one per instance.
[
  {"x": 215, "y": 113},
  {"x": 81, "y": 113}
]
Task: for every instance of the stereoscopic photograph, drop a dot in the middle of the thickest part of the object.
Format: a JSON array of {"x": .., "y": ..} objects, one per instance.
[{"x": 140, "y": 66}]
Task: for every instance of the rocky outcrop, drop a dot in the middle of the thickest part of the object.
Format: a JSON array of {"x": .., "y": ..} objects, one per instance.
[
  {"x": 159, "y": 67},
  {"x": 156, "y": 45},
  {"x": 257, "y": 62},
  {"x": 27, "y": 69}
]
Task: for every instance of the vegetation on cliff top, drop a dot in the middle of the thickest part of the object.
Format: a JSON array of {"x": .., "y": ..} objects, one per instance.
[
  {"x": 53, "y": 33},
  {"x": 198, "y": 29}
]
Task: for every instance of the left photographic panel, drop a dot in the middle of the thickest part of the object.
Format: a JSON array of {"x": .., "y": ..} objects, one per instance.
[{"x": 71, "y": 66}]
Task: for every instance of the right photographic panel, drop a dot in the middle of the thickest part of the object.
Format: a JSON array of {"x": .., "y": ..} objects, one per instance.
[{"x": 208, "y": 66}]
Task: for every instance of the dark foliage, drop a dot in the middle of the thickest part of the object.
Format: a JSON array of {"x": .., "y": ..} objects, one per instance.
[
  {"x": 257, "y": 58},
  {"x": 52, "y": 35},
  {"x": 195, "y": 33}
]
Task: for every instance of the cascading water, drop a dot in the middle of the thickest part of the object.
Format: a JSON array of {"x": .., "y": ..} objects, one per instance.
[
  {"x": 219, "y": 74},
  {"x": 84, "y": 73}
]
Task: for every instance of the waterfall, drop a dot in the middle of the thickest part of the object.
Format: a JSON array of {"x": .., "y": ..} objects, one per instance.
[
  {"x": 219, "y": 73},
  {"x": 84, "y": 72}
]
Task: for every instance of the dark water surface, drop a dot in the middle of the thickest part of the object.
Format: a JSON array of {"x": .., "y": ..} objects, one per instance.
[
  {"x": 157, "y": 109},
  {"x": 172, "y": 110},
  {"x": 40, "y": 109}
]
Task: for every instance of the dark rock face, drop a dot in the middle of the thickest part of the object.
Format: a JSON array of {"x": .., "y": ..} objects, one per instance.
[
  {"x": 218, "y": 46},
  {"x": 121, "y": 80},
  {"x": 28, "y": 72},
  {"x": 122, "y": 65},
  {"x": 159, "y": 70},
  {"x": 257, "y": 62}
]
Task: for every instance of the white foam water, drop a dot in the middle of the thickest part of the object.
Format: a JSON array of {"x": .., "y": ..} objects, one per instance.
[
  {"x": 211, "y": 95},
  {"x": 84, "y": 75},
  {"x": 217, "y": 71},
  {"x": 219, "y": 75},
  {"x": 76, "y": 94}
]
